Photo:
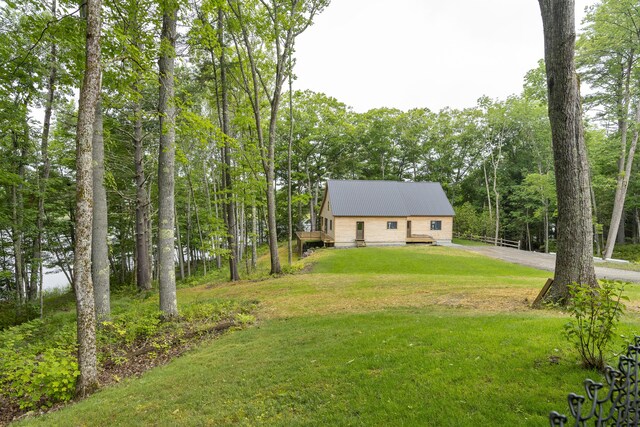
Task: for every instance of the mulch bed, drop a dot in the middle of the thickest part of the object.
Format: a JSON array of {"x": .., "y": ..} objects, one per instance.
[{"x": 139, "y": 357}]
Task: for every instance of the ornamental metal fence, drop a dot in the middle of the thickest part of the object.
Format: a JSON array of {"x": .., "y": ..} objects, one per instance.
[{"x": 617, "y": 406}]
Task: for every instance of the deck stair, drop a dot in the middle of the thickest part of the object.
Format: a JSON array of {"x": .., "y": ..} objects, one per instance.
[{"x": 361, "y": 243}]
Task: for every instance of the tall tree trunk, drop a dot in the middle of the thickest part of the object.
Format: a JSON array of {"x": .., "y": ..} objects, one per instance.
[
  {"x": 166, "y": 163},
  {"x": 17, "y": 232},
  {"x": 227, "y": 183},
  {"x": 188, "y": 236},
  {"x": 289, "y": 150},
  {"x": 44, "y": 154},
  {"x": 179, "y": 241},
  {"x": 99, "y": 247},
  {"x": 621, "y": 192},
  {"x": 83, "y": 284},
  {"x": 486, "y": 184},
  {"x": 143, "y": 266},
  {"x": 574, "y": 260},
  {"x": 215, "y": 204},
  {"x": 196, "y": 211},
  {"x": 254, "y": 239}
]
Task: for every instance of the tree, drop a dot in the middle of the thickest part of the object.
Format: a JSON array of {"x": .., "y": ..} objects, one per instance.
[
  {"x": 99, "y": 246},
  {"x": 227, "y": 183},
  {"x": 608, "y": 59},
  {"x": 574, "y": 260},
  {"x": 276, "y": 23},
  {"x": 166, "y": 162},
  {"x": 83, "y": 284}
]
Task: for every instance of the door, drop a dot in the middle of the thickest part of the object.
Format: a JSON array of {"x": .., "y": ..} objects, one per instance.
[
  {"x": 408, "y": 228},
  {"x": 360, "y": 230}
]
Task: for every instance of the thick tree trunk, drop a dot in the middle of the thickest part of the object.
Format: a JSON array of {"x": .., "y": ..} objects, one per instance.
[
  {"x": 166, "y": 164},
  {"x": 83, "y": 284},
  {"x": 574, "y": 260},
  {"x": 99, "y": 247},
  {"x": 271, "y": 201}
]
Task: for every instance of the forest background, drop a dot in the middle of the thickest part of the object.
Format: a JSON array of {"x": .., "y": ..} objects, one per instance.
[{"x": 243, "y": 135}]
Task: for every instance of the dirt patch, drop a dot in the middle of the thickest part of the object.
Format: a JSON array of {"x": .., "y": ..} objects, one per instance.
[{"x": 506, "y": 300}]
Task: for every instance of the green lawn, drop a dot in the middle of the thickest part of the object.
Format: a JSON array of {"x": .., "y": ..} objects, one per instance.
[{"x": 372, "y": 336}]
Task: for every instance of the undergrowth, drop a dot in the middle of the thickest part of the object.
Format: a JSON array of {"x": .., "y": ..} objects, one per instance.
[{"x": 38, "y": 363}]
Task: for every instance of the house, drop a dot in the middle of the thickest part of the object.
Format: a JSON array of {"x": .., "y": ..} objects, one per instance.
[{"x": 359, "y": 213}]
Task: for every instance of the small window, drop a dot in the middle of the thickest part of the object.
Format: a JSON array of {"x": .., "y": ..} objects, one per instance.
[
  {"x": 326, "y": 224},
  {"x": 392, "y": 225},
  {"x": 330, "y": 224},
  {"x": 436, "y": 225}
]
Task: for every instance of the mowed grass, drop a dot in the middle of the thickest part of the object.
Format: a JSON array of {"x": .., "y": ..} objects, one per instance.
[{"x": 373, "y": 336}]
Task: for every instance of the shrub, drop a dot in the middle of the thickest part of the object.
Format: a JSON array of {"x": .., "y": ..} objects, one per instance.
[
  {"x": 36, "y": 372},
  {"x": 596, "y": 313}
]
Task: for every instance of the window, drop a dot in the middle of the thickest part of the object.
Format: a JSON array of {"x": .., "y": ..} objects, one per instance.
[
  {"x": 392, "y": 225},
  {"x": 436, "y": 225},
  {"x": 330, "y": 224},
  {"x": 326, "y": 224}
]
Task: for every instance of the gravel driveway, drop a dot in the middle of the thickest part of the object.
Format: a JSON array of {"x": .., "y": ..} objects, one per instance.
[{"x": 547, "y": 262}]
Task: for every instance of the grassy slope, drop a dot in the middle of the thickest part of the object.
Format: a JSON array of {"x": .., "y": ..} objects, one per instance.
[{"x": 374, "y": 336}]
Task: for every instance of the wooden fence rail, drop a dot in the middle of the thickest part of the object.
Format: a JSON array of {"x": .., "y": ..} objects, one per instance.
[{"x": 491, "y": 240}]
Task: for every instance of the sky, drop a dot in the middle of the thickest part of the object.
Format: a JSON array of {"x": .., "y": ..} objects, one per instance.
[{"x": 421, "y": 53}]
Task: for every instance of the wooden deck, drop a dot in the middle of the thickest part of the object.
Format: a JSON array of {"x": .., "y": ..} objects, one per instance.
[
  {"x": 420, "y": 238},
  {"x": 311, "y": 237}
]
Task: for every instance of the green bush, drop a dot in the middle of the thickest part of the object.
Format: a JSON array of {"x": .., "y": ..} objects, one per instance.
[
  {"x": 38, "y": 359},
  {"x": 596, "y": 313},
  {"x": 12, "y": 313},
  {"x": 627, "y": 252},
  {"x": 38, "y": 372}
]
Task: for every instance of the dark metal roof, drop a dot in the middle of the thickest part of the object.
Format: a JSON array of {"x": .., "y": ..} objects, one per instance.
[{"x": 387, "y": 198}]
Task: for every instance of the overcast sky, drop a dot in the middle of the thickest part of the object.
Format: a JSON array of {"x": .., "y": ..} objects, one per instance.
[{"x": 421, "y": 53}]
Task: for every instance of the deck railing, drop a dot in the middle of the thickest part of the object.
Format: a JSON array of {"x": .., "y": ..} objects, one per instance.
[{"x": 312, "y": 235}]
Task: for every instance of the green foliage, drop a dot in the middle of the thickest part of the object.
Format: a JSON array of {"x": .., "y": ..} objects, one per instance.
[
  {"x": 296, "y": 267},
  {"x": 37, "y": 370},
  {"x": 628, "y": 252},
  {"x": 38, "y": 359},
  {"x": 12, "y": 313},
  {"x": 469, "y": 222},
  {"x": 596, "y": 313}
]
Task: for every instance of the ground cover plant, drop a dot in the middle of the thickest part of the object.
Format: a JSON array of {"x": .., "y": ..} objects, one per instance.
[
  {"x": 38, "y": 365},
  {"x": 371, "y": 336}
]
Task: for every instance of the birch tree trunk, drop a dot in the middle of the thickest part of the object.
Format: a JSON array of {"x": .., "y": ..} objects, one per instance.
[
  {"x": 83, "y": 284},
  {"x": 574, "y": 260},
  {"x": 621, "y": 190},
  {"x": 99, "y": 247},
  {"x": 166, "y": 163}
]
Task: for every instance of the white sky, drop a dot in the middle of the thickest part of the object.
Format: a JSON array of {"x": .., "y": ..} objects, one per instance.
[{"x": 421, "y": 53}]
